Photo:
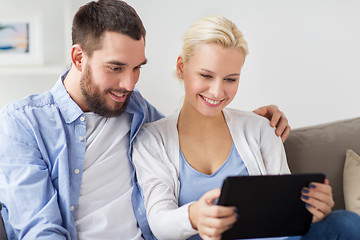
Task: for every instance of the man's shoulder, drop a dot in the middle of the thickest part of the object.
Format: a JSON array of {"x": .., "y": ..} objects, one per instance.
[
  {"x": 27, "y": 115},
  {"x": 137, "y": 101},
  {"x": 160, "y": 131},
  {"x": 163, "y": 124},
  {"x": 32, "y": 102}
]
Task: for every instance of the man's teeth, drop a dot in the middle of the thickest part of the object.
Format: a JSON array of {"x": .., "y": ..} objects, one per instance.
[
  {"x": 211, "y": 101},
  {"x": 119, "y": 94}
]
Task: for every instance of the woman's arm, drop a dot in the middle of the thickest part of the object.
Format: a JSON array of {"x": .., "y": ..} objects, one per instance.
[
  {"x": 272, "y": 151},
  {"x": 158, "y": 178}
]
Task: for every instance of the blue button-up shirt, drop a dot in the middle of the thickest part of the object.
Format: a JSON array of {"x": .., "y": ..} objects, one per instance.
[{"x": 42, "y": 149}]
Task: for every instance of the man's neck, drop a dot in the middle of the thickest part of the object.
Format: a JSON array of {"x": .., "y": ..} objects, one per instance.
[{"x": 72, "y": 86}]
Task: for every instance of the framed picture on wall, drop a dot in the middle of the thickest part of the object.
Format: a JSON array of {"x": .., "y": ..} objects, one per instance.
[{"x": 21, "y": 40}]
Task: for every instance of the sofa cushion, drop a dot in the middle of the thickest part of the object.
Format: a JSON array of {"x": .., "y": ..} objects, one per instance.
[
  {"x": 352, "y": 181},
  {"x": 322, "y": 148}
]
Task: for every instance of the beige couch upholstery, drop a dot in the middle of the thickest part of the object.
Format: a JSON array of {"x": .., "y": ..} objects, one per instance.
[{"x": 322, "y": 148}]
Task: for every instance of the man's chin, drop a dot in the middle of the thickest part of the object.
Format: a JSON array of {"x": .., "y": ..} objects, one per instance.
[
  {"x": 114, "y": 111},
  {"x": 111, "y": 112},
  {"x": 108, "y": 108}
]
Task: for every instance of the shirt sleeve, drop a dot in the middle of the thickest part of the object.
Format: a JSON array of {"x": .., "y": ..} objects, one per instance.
[
  {"x": 158, "y": 178},
  {"x": 26, "y": 188}
]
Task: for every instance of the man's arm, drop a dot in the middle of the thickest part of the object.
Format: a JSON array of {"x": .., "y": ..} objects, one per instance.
[
  {"x": 277, "y": 119},
  {"x": 26, "y": 188}
]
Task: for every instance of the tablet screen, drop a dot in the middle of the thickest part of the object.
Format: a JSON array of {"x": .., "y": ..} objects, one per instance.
[{"x": 268, "y": 206}]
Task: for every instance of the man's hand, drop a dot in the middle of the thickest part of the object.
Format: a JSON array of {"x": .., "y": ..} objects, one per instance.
[{"x": 277, "y": 119}]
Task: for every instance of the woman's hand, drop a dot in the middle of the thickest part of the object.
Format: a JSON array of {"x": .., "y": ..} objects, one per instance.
[
  {"x": 319, "y": 200},
  {"x": 277, "y": 119},
  {"x": 209, "y": 219}
]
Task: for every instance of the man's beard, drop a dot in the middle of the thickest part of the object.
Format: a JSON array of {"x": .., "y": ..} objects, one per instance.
[{"x": 95, "y": 100}]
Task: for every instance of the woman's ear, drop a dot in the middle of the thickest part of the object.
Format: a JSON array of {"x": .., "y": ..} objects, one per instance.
[
  {"x": 180, "y": 67},
  {"x": 77, "y": 57}
]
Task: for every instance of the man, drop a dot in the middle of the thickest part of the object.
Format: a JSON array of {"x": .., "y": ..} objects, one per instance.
[{"x": 65, "y": 157}]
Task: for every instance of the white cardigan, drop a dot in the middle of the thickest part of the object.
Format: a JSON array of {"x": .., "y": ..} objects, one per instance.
[{"x": 156, "y": 159}]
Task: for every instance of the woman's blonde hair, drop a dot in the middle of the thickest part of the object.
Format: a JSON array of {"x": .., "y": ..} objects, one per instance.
[{"x": 213, "y": 29}]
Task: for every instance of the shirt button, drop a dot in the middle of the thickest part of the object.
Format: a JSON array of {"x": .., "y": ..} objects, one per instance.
[
  {"x": 82, "y": 119},
  {"x": 77, "y": 171},
  {"x": 81, "y": 138},
  {"x": 72, "y": 208}
]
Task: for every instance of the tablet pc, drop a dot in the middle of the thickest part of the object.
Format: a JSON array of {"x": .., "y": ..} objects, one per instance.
[{"x": 268, "y": 206}]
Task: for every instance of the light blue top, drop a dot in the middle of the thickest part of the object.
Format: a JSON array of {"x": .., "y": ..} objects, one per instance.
[
  {"x": 42, "y": 139},
  {"x": 194, "y": 184}
]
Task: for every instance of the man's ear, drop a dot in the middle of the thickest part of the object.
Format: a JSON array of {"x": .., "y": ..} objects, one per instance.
[
  {"x": 180, "y": 67},
  {"x": 77, "y": 57}
]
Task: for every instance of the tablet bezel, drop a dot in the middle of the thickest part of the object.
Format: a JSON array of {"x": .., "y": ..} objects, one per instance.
[{"x": 268, "y": 205}]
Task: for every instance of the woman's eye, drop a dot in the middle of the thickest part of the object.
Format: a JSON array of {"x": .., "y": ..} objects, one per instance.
[{"x": 205, "y": 76}]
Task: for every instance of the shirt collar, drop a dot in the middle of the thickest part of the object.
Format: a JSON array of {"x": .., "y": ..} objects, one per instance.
[
  {"x": 68, "y": 108},
  {"x": 134, "y": 107}
]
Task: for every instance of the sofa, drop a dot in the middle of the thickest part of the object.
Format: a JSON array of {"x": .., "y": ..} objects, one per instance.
[
  {"x": 332, "y": 149},
  {"x": 324, "y": 148}
]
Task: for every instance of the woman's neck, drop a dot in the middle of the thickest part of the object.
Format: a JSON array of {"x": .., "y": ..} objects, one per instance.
[
  {"x": 204, "y": 141},
  {"x": 190, "y": 120}
]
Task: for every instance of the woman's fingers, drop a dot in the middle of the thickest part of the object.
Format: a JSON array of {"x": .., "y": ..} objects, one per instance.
[
  {"x": 211, "y": 220},
  {"x": 319, "y": 200}
]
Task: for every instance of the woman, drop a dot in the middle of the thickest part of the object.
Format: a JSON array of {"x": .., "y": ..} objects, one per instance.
[{"x": 182, "y": 160}]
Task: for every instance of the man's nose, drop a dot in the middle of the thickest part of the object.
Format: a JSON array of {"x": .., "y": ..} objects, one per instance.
[{"x": 128, "y": 81}]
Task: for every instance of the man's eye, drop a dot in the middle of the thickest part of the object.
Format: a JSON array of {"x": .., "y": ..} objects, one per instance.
[
  {"x": 230, "y": 79},
  {"x": 137, "y": 68},
  {"x": 115, "y": 69}
]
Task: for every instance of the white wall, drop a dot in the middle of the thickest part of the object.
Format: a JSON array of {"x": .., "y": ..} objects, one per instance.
[
  {"x": 304, "y": 54},
  {"x": 21, "y": 80}
]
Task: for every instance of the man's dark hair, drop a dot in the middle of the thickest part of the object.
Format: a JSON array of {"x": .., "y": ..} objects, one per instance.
[{"x": 95, "y": 18}]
